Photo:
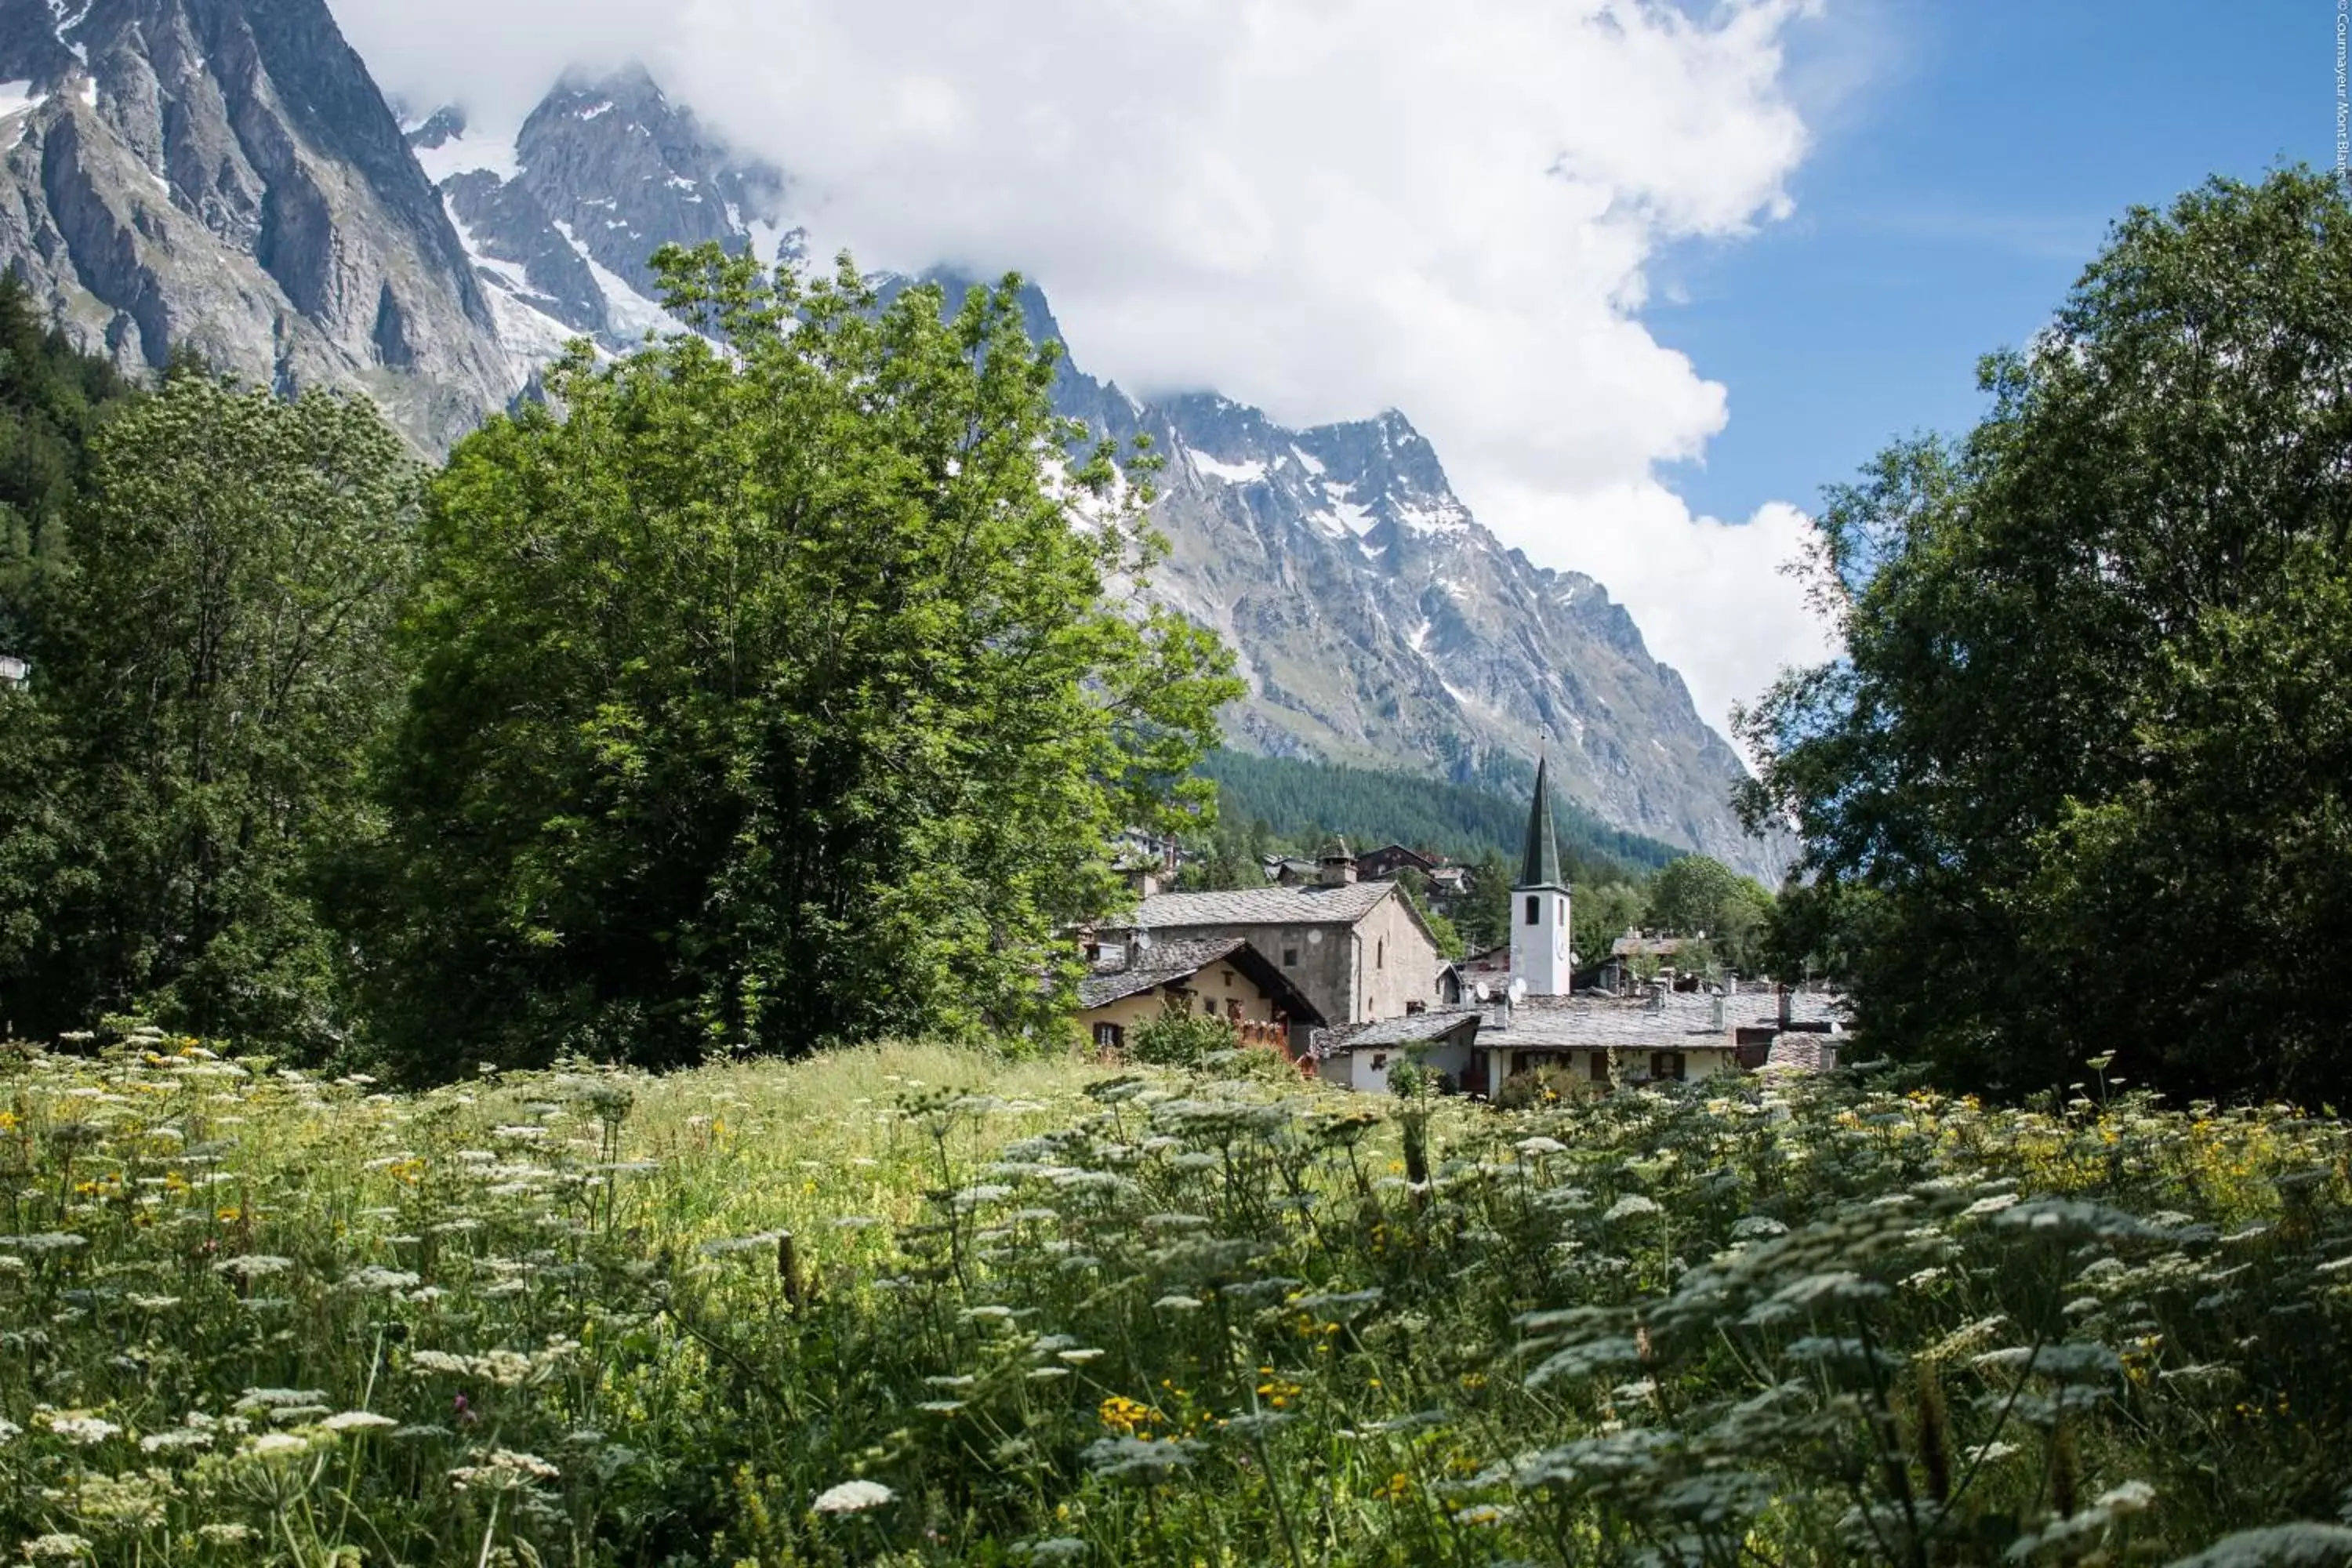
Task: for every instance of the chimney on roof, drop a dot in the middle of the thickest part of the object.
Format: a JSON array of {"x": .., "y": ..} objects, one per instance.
[
  {"x": 1144, "y": 880},
  {"x": 1788, "y": 1008},
  {"x": 1338, "y": 865},
  {"x": 1657, "y": 998}
]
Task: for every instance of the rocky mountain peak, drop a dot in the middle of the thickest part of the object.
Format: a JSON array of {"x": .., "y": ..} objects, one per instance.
[
  {"x": 627, "y": 172},
  {"x": 442, "y": 126},
  {"x": 225, "y": 176},
  {"x": 562, "y": 219}
]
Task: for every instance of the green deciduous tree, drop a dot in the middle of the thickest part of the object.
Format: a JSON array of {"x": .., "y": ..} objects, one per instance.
[
  {"x": 52, "y": 400},
  {"x": 2083, "y": 781},
  {"x": 208, "y": 665},
  {"x": 1600, "y": 914},
  {"x": 786, "y": 689},
  {"x": 1696, "y": 895},
  {"x": 1483, "y": 918}
]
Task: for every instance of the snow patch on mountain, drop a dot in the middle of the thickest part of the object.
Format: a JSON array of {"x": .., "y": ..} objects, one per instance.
[
  {"x": 531, "y": 336},
  {"x": 465, "y": 152},
  {"x": 632, "y": 315},
  {"x": 1246, "y": 473}
]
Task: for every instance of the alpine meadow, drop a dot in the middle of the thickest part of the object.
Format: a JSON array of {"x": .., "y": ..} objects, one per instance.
[{"x": 662, "y": 904}]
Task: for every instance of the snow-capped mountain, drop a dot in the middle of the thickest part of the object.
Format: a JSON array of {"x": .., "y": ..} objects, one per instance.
[
  {"x": 1377, "y": 622},
  {"x": 561, "y": 214},
  {"x": 224, "y": 175}
]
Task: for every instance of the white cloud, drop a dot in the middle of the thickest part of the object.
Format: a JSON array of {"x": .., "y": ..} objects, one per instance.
[{"x": 1321, "y": 207}]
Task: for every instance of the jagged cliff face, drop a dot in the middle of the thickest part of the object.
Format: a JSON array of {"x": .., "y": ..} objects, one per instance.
[
  {"x": 562, "y": 218},
  {"x": 225, "y": 175},
  {"x": 1377, "y": 622}
]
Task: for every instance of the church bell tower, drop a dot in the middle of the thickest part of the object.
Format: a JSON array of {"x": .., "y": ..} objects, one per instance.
[{"x": 1539, "y": 924}]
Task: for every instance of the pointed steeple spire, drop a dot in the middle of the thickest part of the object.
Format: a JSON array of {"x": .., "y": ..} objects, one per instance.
[{"x": 1540, "y": 865}]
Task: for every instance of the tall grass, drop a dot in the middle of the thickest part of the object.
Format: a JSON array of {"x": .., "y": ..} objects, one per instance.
[{"x": 921, "y": 1306}]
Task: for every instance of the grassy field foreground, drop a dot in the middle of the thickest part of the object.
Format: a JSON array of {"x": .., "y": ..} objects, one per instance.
[{"x": 919, "y": 1306}]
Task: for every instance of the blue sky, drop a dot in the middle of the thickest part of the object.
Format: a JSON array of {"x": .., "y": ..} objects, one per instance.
[{"x": 1969, "y": 157}]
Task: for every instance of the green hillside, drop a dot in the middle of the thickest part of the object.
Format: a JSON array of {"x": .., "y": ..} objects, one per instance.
[{"x": 1301, "y": 802}]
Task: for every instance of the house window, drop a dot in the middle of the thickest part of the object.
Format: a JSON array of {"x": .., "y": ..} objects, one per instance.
[
  {"x": 1380, "y": 953},
  {"x": 1563, "y": 909},
  {"x": 1290, "y": 958},
  {"x": 1380, "y": 1060},
  {"x": 1209, "y": 1006},
  {"x": 1666, "y": 1064},
  {"x": 1107, "y": 1036},
  {"x": 1600, "y": 1067},
  {"x": 1535, "y": 909}
]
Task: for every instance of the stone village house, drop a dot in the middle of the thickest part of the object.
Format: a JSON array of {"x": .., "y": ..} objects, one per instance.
[
  {"x": 1355, "y": 951},
  {"x": 1131, "y": 983}
]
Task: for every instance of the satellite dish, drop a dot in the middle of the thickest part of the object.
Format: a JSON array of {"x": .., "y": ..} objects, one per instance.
[
  {"x": 1518, "y": 992},
  {"x": 1143, "y": 941}
]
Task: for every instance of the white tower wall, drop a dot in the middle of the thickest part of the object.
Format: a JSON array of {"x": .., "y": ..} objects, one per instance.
[{"x": 1540, "y": 948}]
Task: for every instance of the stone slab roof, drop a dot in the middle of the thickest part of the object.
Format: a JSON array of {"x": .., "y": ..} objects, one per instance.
[
  {"x": 1608, "y": 1022},
  {"x": 1413, "y": 1029},
  {"x": 1317, "y": 905},
  {"x": 1802, "y": 1053},
  {"x": 1162, "y": 963}
]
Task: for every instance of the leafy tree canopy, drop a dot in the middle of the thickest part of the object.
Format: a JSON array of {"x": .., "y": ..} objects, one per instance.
[
  {"x": 52, "y": 399},
  {"x": 781, "y": 692},
  {"x": 2083, "y": 781},
  {"x": 1699, "y": 896},
  {"x": 208, "y": 660}
]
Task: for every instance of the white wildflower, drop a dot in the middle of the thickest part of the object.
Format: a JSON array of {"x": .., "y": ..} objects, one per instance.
[
  {"x": 174, "y": 1439},
  {"x": 56, "y": 1546},
  {"x": 374, "y": 1277},
  {"x": 852, "y": 1497},
  {"x": 45, "y": 1243},
  {"x": 356, "y": 1421},
  {"x": 79, "y": 1429},
  {"x": 506, "y": 1471}
]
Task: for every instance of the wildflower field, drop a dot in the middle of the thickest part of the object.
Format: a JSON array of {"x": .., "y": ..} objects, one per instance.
[{"x": 917, "y": 1306}]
